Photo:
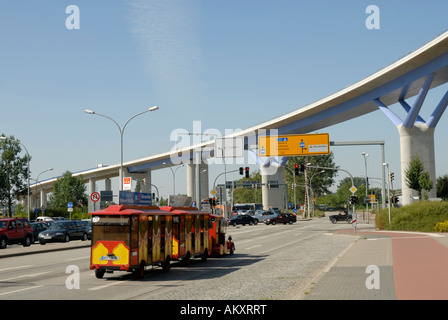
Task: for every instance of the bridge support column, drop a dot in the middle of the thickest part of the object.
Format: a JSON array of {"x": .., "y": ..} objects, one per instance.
[
  {"x": 192, "y": 187},
  {"x": 273, "y": 188},
  {"x": 417, "y": 141},
  {"x": 416, "y": 137}
]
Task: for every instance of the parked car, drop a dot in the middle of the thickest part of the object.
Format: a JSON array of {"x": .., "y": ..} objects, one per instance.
[
  {"x": 38, "y": 227},
  {"x": 44, "y": 219},
  {"x": 264, "y": 215},
  {"x": 64, "y": 231},
  {"x": 242, "y": 219},
  {"x": 342, "y": 216},
  {"x": 15, "y": 230},
  {"x": 282, "y": 218},
  {"x": 88, "y": 224}
]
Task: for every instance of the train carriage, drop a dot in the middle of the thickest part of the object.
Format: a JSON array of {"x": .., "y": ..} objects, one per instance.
[
  {"x": 190, "y": 233},
  {"x": 198, "y": 234},
  {"x": 129, "y": 238}
]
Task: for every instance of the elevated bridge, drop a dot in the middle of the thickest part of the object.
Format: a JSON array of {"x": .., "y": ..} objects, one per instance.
[{"x": 411, "y": 76}]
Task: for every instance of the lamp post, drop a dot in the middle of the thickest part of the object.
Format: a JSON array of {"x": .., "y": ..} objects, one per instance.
[
  {"x": 41, "y": 188},
  {"x": 312, "y": 191},
  {"x": 174, "y": 176},
  {"x": 365, "y": 155},
  {"x": 121, "y": 134}
]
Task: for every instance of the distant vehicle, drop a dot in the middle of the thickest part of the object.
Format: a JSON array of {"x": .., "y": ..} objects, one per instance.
[
  {"x": 242, "y": 219},
  {"x": 64, "y": 231},
  {"x": 342, "y": 216},
  {"x": 282, "y": 218},
  {"x": 264, "y": 215},
  {"x": 15, "y": 230},
  {"x": 44, "y": 219}
]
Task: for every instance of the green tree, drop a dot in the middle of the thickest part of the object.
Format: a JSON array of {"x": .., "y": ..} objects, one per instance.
[
  {"x": 321, "y": 179},
  {"x": 416, "y": 178},
  {"x": 249, "y": 194},
  {"x": 68, "y": 189},
  {"x": 442, "y": 187},
  {"x": 13, "y": 172},
  {"x": 426, "y": 183}
]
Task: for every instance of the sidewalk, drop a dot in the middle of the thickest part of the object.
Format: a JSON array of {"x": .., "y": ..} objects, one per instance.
[
  {"x": 36, "y": 248},
  {"x": 386, "y": 266}
]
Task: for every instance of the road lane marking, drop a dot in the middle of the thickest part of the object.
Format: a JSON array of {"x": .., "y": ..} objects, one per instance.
[
  {"x": 15, "y": 291},
  {"x": 80, "y": 258},
  {"x": 14, "y": 268},
  {"x": 105, "y": 286},
  {"x": 25, "y": 276},
  {"x": 258, "y": 245}
]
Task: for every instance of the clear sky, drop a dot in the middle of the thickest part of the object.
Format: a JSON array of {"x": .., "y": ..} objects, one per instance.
[{"x": 227, "y": 63}]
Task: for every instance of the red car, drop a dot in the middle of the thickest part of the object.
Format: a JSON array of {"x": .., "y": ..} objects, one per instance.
[{"x": 15, "y": 230}]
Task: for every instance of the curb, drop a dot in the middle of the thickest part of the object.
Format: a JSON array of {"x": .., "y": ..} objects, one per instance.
[{"x": 18, "y": 254}]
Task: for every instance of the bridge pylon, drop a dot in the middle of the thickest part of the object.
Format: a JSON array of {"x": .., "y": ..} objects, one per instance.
[{"x": 416, "y": 137}]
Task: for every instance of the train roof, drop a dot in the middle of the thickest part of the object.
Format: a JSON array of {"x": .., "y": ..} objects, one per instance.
[
  {"x": 131, "y": 210},
  {"x": 179, "y": 210}
]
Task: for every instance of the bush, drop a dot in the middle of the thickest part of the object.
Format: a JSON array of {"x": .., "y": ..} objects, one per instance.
[
  {"x": 422, "y": 216},
  {"x": 441, "y": 226}
]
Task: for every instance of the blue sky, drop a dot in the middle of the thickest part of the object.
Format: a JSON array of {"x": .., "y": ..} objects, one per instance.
[{"x": 229, "y": 64}]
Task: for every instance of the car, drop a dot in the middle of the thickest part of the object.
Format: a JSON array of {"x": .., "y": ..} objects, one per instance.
[
  {"x": 342, "y": 216},
  {"x": 15, "y": 230},
  {"x": 38, "y": 227},
  {"x": 264, "y": 215},
  {"x": 44, "y": 219},
  {"x": 282, "y": 218},
  {"x": 64, "y": 231},
  {"x": 88, "y": 224},
  {"x": 242, "y": 219}
]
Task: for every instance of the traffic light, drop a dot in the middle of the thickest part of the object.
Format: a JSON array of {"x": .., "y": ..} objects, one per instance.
[
  {"x": 353, "y": 199},
  {"x": 391, "y": 176},
  {"x": 241, "y": 170},
  {"x": 296, "y": 169},
  {"x": 247, "y": 172},
  {"x": 302, "y": 168},
  {"x": 213, "y": 202}
]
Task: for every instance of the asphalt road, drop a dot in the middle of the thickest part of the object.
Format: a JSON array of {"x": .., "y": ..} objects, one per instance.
[{"x": 270, "y": 262}]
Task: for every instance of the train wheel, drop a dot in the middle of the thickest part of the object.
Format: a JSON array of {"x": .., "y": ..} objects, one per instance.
[
  {"x": 166, "y": 264},
  {"x": 186, "y": 260},
  {"x": 139, "y": 273},
  {"x": 205, "y": 256}
]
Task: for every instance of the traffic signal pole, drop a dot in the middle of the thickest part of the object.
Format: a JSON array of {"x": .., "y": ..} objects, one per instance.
[{"x": 352, "y": 190}]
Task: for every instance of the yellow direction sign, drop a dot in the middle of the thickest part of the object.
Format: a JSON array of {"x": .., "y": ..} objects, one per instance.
[{"x": 294, "y": 145}]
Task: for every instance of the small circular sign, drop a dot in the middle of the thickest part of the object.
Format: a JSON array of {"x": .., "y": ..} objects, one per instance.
[{"x": 95, "y": 196}]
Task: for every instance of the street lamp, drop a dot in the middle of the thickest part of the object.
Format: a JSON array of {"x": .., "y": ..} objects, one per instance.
[
  {"x": 121, "y": 134},
  {"x": 41, "y": 188},
  {"x": 174, "y": 176},
  {"x": 365, "y": 155}
]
